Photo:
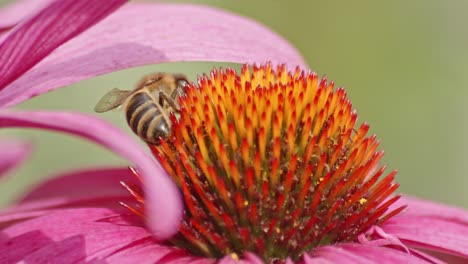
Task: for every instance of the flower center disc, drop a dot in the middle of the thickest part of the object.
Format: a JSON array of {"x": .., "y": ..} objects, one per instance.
[{"x": 270, "y": 162}]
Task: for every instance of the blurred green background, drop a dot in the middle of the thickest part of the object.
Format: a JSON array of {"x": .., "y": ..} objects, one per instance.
[{"x": 403, "y": 63}]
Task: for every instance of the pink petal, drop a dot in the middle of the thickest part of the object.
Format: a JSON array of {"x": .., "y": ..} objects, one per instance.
[
  {"x": 15, "y": 12},
  {"x": 150, "y": 252},
  {"x": 247, "y": 258},
  {"x": 38, "y": 36},
  {"x": 34, "y": 209},
  {"x": 158, "y": 33},
  {"x": 87, "y": 188},
  {"x": 376, "y": 236},
  {"x": 164, "y": 208},
  {"x": 309, "y": 260},
  {"x": 229, "y": 260},
  {"x": 433, "y": 233},
  {"x": 8, "y": 218},
  {"x": 183, "y": 257},
  {"x": 360, "y": 254},
  {"x": 419, "y": 207},
  {"x": 147, "y": 252},
  {"x": 252, "y": 258},
  {"x": 73, "y": 235},
  {"x": 447, "y": 258},
  {"x": 82, "y": 185},
  {"x": 12, "y": 153},
  {"x": 437, "y": 257}
]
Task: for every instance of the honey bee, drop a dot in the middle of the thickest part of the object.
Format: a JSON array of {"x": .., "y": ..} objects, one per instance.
[{"x": 148, "y": 106}]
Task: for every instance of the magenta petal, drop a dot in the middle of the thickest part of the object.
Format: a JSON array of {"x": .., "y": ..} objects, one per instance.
[
  {"x": 433, "y": 233},
  {"x": 85, "y": 185},
  {"x": 447, "y": 258},
  {"x": 360, "y": 254},
  {"x": 41, "y": 207},
  {"x": 420, "y": 207},
  {"x": 164, "y": 206},
  {"x": 88, "y": 188},
  {"x": 176, "y": 33},
  {"x": 252, "y": 258},
  {"x": 73, "y": 235},
  {"x": 247, "y": 258},
  {"x": 54, "y": 25},
  {"x": 9, "y": 217},
  {"x": 12, "y": 153},
  {"x": 306, "y": 259},
  {"x": 144, "y": 252},
  {"x": 181, "y": 256}
]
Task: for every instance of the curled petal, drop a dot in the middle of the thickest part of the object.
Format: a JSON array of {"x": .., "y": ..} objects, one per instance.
[
  {"x": 376, "y": 236},
  {"x": 384, "y": 240},
  {"x": 159, "y": 33},
  {"x": 164, "y": 208},
  {"x": 37, "y": 37},
  {"x": 432, "y": 233},
  {"x": 12, "y": 153},
  {"x": 445, "y": 227}
]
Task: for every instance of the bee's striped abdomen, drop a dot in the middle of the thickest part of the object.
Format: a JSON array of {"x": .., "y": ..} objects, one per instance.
[{"x": 144, "y": 117}]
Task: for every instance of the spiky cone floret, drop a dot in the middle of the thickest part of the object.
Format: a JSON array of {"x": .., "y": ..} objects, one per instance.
[{"x": 270, "y": 162}]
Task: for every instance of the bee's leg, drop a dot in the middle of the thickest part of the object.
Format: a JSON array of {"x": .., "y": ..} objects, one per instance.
[
  {"x": 164, "y": 114},
  {"x": 170, "y": 101},
  {"x": 178, "y": 91}
]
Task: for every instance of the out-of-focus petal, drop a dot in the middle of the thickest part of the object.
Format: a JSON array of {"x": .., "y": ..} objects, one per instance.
[
  {"x": 35, "y": 209},
  {"x": 83, "y": 184},
  {"x": 139, "y": 34},
  {"x": 430, "y": 232},
  {"x": 252, "y": 258},
  {"x": 73, "y": 235},
  {"x": 9, "y": 217},
  {"x": 164, "y": 207},
  {"x": 360, "y": 254},
  {"x": 183, "y": 257},
  {"x": 18, "y": 10},
  {"x": 12, "y": 153},
  {"x": 420, "y": 207},
  {"x": 38, "y": 36},
  {"x": 247, "y": 258},
  {"x": 306, "y": 259},
  {"x": 87, "y": 188}
]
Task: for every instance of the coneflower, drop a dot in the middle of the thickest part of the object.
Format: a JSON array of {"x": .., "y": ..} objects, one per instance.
[
  {"x": 264, "y": 166},
  {"x": 269, "y": 161}
]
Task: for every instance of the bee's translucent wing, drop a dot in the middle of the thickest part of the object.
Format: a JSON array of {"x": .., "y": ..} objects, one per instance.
[{"x": 113, "y": 99}]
